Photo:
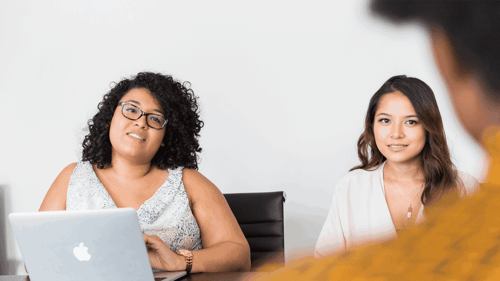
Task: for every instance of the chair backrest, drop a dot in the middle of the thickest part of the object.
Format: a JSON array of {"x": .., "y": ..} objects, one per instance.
[{"x": 260, "y": 216}]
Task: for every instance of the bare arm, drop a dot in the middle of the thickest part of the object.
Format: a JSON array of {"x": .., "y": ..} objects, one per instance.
[
  {"x": 225, "y": 248},
  {"x": 55, "y": 199}
]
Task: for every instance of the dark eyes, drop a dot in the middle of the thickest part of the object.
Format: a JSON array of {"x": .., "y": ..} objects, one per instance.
[
  {"x": 131, "y": 109},
  {"x": 387, "y": 121},
  {"x": 155, "y": 119}
]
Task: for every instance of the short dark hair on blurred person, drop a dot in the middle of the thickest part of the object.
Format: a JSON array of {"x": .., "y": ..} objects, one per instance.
[{"x": 473, "y": 28}]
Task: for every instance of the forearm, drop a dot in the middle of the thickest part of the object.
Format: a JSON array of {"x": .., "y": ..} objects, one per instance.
[{"x": 225, "y": 256}]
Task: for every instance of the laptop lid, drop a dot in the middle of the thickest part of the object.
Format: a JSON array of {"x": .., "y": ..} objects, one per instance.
[{"x": 82, "y": 245}]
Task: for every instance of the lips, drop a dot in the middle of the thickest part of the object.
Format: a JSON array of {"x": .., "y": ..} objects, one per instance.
[
  {"x": 137, "y": 136},
  {"x": 397, "y": 145}
]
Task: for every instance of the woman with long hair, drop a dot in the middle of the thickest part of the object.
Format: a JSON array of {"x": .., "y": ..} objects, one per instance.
[
  {"x": 405, "y": 165},
  {"x": 141, "y": 152}
]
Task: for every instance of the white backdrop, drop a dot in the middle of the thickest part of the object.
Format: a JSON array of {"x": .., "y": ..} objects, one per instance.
[{"x": 283, "y": 88}]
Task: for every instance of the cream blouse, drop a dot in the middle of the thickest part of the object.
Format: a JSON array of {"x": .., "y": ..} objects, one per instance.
[{"x": 359, "y": 213}]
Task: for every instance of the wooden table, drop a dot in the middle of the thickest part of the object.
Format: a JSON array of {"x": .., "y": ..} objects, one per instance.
[{"x": 189, "y": 277}]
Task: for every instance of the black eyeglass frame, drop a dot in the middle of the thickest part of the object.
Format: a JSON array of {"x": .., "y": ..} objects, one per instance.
[{"x": 143, "y": 114}]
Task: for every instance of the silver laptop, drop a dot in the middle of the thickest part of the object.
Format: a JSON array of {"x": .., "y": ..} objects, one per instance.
[{"x": 84, "y": 245}]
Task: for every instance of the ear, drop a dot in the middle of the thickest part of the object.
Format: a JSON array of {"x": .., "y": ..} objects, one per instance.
[
  {"x": 464, "y": 86},
  {"x": 446, "y": 58}
]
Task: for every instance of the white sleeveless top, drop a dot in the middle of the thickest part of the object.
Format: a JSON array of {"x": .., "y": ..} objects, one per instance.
[{"x": 166, "y": 214}]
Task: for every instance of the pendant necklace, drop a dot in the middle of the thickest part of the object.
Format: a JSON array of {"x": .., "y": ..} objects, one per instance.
[{"x": 410, "y": 209}]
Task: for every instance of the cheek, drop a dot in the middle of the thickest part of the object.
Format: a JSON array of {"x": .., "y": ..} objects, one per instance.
[
  {"x": 114, "y": 124},
  {"x": 115, "y": 118},
  {"x": 380, "y": 132},
  {"x": 159, "y": 138},
  {"x": 418, "y": 137}
]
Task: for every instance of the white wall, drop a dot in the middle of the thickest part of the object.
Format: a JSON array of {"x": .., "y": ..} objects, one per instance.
[{"x": 283, "y": 87}]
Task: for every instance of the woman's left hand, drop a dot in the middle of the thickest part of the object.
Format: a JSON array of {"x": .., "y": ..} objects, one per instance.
[{"x": 160, "y": 255}]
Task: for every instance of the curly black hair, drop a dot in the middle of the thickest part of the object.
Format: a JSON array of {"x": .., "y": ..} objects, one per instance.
[{"x": 180, "y": 108}]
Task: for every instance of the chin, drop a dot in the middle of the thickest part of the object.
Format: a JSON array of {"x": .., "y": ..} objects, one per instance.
[
  {"x": 401, "y": 160},
  {"x": 398, "y": 158},
  {"x": 136, "y": 157}
]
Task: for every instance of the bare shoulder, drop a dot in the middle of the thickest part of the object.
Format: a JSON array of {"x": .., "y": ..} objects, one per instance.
[
  {"x": 62, "y": 180},
  {"x": 69, "y": 169},
  {"x": 55, "y": 199},
  {"x": 198, "y": 186}
]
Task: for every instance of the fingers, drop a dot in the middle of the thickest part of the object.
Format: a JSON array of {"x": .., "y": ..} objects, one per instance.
[
  {"x": 160, "y": 255},
  {"x": 151, "y": 238},
  {"x": 154, "y": 243},
  {"x": 147, "y": 237}
]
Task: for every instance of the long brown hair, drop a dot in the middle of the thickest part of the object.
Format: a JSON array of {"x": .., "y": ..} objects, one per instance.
[{"x": 439, "y": 172}]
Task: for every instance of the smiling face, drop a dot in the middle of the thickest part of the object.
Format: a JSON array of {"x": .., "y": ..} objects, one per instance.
[
  {"x": 398, "y": 133},
  {"x": 134, "y": 139}
]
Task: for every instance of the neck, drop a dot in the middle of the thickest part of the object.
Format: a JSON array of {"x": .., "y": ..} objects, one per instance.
[
  {"x": 404, "y": 171},
  {"x": 129, "y": 170}
]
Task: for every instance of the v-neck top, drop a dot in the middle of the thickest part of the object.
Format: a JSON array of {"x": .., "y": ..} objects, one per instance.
[
  {"x": 166, "y": 214},
  {"x": 359, "y": 213}
]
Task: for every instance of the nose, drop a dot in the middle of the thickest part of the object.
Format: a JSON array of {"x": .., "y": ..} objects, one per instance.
[
  {"x": 141, "y": 122},
  {"x": 397, "y": 131}
]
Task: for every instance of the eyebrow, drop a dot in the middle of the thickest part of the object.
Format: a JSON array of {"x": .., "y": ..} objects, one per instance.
[
  {"x": 138, "y": 103},
  {"x": 407, "y": 116}
]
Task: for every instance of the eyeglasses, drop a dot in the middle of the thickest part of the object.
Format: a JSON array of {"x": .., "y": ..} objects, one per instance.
[{"x": 132, "y": 112}]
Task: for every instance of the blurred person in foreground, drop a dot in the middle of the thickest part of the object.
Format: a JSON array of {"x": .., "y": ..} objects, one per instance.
[{"x": 461, "y": 239}]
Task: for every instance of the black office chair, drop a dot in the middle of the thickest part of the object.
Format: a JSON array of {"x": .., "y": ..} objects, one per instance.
[{"x": 260, "y": 216}]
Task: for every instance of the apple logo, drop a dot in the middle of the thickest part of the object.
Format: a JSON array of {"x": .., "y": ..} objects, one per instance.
[{"x": 80, "y": 253}]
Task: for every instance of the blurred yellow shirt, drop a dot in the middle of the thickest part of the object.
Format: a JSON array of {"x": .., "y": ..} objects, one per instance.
[{"x": 459, "y": 241}]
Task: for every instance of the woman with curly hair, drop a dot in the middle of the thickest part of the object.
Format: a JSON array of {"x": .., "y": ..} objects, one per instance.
[
  {"x": 405, "y": 165},
  {"x": 141, "y": 152}
]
